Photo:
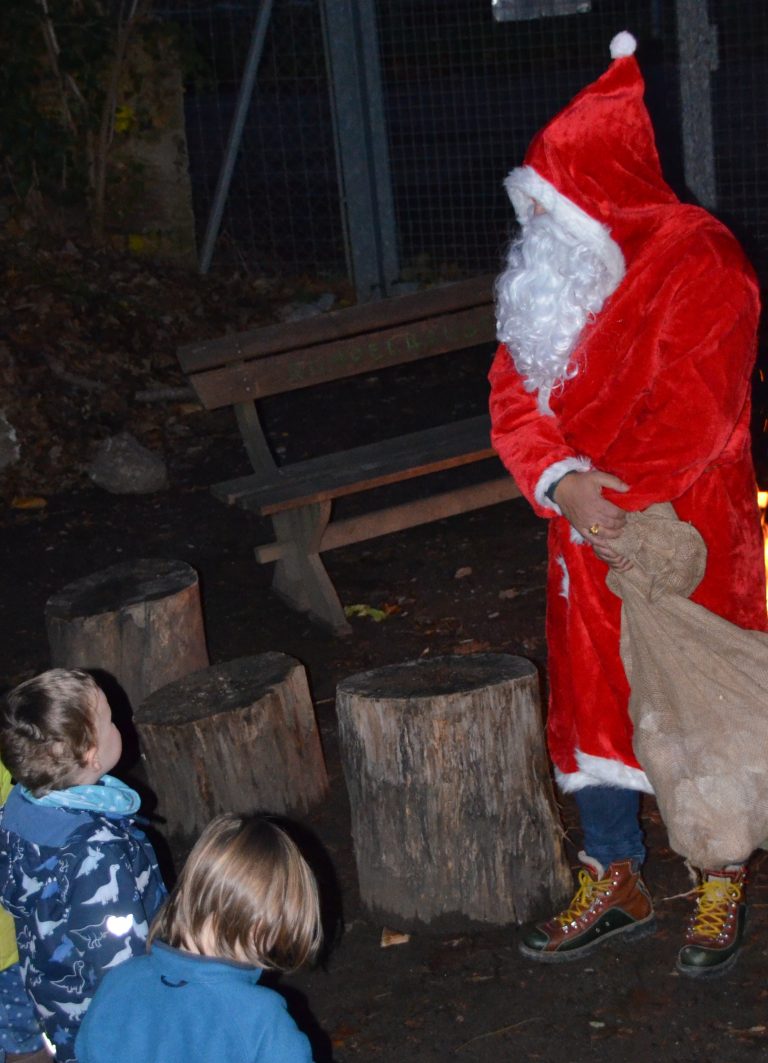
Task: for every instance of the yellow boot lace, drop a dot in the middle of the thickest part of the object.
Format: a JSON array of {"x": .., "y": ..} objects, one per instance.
[
  {"x": 587, "y": 893},
  {"x": 715, "y": 897}
]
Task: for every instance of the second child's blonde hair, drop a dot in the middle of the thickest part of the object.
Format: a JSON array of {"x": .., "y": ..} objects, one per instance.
[{"x": 245, "y": 894}]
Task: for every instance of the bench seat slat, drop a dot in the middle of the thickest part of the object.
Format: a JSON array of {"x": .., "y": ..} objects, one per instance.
[
  {"x": 335, "y": 325},
  {"x": 279, "y": 373},
  {"x": 335, "y": 475}
]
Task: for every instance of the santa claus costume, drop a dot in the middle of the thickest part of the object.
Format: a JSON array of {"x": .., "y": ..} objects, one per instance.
[{"x": 656, "y": 391}]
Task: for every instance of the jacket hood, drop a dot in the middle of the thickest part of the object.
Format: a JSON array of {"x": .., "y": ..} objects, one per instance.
[{"x": 595, "y": 166}]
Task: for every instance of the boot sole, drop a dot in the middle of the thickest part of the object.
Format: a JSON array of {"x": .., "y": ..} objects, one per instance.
[
  {"x": 633, "y": 932},
  {"x": 708, "y": 972}
]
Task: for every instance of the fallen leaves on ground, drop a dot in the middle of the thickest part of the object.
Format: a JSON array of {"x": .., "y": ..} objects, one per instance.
[
  {"x": 393, "y": 937},
  {"x": 29, "y": 502},
  {"x": 89, "y": 349}
]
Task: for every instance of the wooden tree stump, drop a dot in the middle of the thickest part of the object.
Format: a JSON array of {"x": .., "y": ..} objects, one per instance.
[
  {"x": 235, "y": 737},
  {"x": 453, "y": 816},
  {"x": 140, "y": 621}
]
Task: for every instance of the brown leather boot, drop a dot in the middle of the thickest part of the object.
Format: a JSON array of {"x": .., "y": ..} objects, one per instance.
[
  {"x": 715, "y": 930},
  {"x": 609, "y": 901}
]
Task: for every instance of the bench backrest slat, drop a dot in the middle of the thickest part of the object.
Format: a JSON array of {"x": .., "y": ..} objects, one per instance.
[
  {"x": 291, "y": 370},
  {"x": 335, "y": 325}
]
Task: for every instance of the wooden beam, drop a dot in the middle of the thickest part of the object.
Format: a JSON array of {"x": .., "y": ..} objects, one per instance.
[
  {"x": 336, "y": 324},
  {"x": 407, "y": 515},
  {"x": 279, "y": 373},
  {"x": 374, "y": 465}
]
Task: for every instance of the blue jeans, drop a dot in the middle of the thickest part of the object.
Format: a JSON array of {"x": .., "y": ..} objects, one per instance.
[
  {"x": 19, "y": 1028},
  {"x": 610, "y": 820}
]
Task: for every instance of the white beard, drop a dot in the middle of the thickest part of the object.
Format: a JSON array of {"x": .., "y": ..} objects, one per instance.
[{"x": 552, "y": 287}]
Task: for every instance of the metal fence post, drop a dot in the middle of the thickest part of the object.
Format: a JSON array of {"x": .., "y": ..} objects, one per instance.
[
  {"x": 365, "y": 182},
  {"x": 244, "y": 96},
  {"x": 697, "y": 44}
]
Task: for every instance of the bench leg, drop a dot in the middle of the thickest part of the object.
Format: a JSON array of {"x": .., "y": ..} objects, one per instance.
[{"x": 300, "y": 577}]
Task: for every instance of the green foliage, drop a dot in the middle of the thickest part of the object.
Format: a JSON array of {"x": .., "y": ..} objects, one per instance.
[
  {"x": 60, "y": 63},
  {"x": 34, "y": 143}
]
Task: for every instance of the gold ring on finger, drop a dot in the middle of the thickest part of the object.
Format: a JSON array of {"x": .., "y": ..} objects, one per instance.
[{"x": 594, "y": 529}]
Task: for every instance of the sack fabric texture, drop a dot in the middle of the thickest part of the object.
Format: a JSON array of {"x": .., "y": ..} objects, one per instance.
[{"x": 699, "y": 695}]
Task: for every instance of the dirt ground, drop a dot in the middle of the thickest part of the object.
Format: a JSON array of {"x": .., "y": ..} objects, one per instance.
[
  {"x": 72, "y": 362},
  {"x": 469, "y": 996}
]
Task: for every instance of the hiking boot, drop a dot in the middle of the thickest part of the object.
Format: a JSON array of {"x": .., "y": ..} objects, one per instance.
[
  {"x": 609, "y": 901},
  {"x": 715, "y": 929}
]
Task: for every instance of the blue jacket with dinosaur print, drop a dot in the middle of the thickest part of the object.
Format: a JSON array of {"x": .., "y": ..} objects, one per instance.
[{"x": 82, "y": 884}]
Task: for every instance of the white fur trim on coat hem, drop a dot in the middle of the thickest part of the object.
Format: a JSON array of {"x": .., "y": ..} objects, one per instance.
[
  {"x": 600, "y": 771},
  {"x": 524, "y": 185},
  {"x": 556, "y": 472}
]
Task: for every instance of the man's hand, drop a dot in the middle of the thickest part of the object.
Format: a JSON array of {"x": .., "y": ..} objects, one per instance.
[
  {"x": 580, "y": 498},
  {"x": 611, "y": 558}
]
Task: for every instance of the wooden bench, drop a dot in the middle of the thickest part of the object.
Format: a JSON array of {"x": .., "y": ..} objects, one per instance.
[{"x": 240, "y": 369}]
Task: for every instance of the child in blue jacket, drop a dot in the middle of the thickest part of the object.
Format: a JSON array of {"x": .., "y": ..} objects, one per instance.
[
  {"x": 245, "y": 901},
  {"x": 79, "y": 878}
]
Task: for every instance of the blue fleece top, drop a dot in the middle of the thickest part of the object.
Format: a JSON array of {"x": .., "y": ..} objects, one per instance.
[
  {"x": 170, "y": 1006},
  {"x": 82, "y": 884}
]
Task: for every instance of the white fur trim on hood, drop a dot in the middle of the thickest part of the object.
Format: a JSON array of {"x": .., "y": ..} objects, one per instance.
[
  {"x": 524, "y": 185},
  {"x": 600, "y": 771}
]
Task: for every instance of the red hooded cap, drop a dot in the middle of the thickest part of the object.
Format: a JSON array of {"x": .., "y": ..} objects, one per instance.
[{"x": 595, "y": 166}]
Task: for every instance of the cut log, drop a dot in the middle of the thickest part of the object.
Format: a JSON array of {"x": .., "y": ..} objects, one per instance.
[
  {"x": 139, "y": 621},
  {"x": 454, "y": 821},
  {"x": 236, "y": 737}
]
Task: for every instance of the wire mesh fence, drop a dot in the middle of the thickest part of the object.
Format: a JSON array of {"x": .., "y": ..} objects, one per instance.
[
  {"x": 740, "y": 122},
  {"x": 282, "y": 213},
  {"x": 462, "y": 94}
]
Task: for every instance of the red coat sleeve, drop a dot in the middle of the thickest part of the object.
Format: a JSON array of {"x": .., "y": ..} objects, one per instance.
[
  {"x": 528, "y": 442},
  {"x": 664, "y": 389}
]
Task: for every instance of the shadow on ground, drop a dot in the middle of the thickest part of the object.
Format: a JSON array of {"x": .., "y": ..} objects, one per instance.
[{"x": 469, "y": 997}]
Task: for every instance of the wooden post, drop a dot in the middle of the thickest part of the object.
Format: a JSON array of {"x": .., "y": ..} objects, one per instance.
[
  {"x": 139, "y": 621},
  {"x": 453, "y": 816},
  {"x": 236, "y": 737}
]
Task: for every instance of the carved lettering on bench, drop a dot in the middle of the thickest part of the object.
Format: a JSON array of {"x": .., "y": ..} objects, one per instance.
[{"x": 306, "y": 367}]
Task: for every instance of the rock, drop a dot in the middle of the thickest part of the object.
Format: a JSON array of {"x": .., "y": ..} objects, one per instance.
[
  {"x": 9, "y": 443},
  {"x": 302, "y": 311},
  {"x": 123, "y": 466}
]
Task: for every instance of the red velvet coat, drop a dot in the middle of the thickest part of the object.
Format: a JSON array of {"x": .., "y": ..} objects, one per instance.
[{"x": 661, "y": 401}]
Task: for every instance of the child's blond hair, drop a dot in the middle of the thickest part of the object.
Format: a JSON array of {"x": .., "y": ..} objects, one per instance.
[
  {"x": 47, "y": 727},
  {"x": 246, "y": 894}
]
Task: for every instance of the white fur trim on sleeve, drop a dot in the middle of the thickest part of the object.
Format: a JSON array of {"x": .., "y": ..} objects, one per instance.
[
  {"x": 524, "y": 184},
  {"x": 552, "y": 474},
  {"x": 622, "y": 45},
  {"x": 600, "y": 771}
]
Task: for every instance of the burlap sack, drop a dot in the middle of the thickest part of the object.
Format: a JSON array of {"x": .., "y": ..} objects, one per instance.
[{"x": 699, "y": 695}]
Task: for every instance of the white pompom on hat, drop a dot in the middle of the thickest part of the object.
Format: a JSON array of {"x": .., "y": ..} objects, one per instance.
[{"x": 622, "y": 45}]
